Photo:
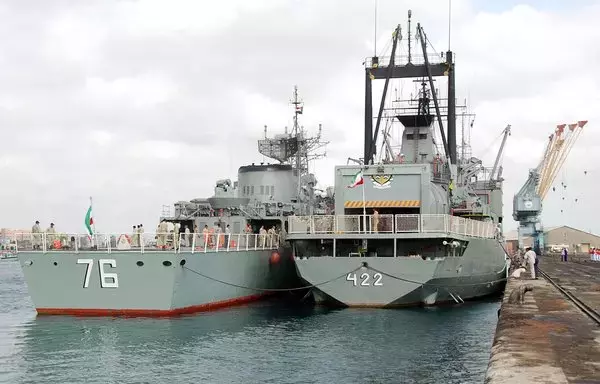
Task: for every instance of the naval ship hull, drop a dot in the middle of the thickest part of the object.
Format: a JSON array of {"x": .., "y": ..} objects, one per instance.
[
  {"x": 384, "y": 282},
  {"x": 153, "y": 283}
]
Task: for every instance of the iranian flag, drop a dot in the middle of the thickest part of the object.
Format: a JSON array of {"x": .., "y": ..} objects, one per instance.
[
  {"x": 357, "y": 180},
  {"x": 89, "y": 221}
]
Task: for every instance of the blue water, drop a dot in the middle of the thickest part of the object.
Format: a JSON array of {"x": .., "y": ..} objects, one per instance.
[{"x": 263, "y": 343}]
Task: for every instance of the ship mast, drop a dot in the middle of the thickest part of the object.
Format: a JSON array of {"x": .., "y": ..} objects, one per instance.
[
  {"x": 295, "y": 148},
  {"x": 297, "y": 132}
]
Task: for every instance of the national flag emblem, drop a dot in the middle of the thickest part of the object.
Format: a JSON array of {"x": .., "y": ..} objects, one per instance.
[
  {"x": 357, "y": 180},
  {"x": 89, "y": 221}
]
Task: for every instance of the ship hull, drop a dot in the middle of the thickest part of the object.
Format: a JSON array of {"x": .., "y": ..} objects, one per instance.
[
  {"x": 384, "y": 282},
  {"x": 152, "y": 283}
]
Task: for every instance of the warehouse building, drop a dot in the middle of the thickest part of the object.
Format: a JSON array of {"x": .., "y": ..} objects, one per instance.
[{"x": 555, "y": 238}]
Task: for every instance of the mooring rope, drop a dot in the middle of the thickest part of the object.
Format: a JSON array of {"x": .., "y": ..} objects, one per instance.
[
  {"x": 271, "y": 289},
  {"x": 433, "y": 284}
]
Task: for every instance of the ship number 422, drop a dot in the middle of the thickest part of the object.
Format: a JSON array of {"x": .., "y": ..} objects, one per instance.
[
  {"x": 105, "y": 277},
  {"x": 365, "y": 279}
]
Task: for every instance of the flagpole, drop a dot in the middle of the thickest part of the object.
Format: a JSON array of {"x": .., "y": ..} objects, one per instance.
[
  {"x": 364, "y": 204},
  {"x": 95, "y": 237}
]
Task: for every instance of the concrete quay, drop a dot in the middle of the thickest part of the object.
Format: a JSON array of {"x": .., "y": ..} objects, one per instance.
[{"x": 547, "y": 338}]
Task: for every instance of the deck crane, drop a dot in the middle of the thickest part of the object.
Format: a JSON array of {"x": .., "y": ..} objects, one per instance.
[
  {"x": 527, "y": 203},
  {"x": 496, "y": 173}
]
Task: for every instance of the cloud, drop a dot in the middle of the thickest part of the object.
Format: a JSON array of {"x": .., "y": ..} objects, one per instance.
[{"x": 144, "y": 103}]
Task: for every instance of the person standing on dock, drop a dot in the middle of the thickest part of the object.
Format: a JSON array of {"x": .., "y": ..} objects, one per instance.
[
  {"x": 531, "y": 260},
  {"x": 564, "y": 254}
]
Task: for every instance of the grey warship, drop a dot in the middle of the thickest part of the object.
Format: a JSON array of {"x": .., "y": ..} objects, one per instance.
[
  {"x": 419, "y": 227},
  {"x": 234, "y": 252}
]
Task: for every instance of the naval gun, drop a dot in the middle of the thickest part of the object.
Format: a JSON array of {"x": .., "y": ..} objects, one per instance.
[{"x": 527, "y": 203}]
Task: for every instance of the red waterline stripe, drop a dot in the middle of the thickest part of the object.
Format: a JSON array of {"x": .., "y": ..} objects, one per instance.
[{"x": 152, "y": 312}]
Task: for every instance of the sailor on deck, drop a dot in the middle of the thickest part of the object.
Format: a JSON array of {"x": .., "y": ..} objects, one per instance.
[
  {"x": 375, "y": 221},
  {"x": 187, "y": 238},
  {"x": 205, "y": 235},
  {"x": 163, "y": 230},
  {"x": 176, "y": 236},
  {"x": 227, "y": 234},
  {"x": 50, "y": 234},
  {"x": 37, "y": 236},
  {"x": 134, "y": 234},
  {"x": 262, "y": 232},
  {"x": 140, "y": 236},
  {"x": 249, "y": 238},
  {"x": 271, "y": 237}
]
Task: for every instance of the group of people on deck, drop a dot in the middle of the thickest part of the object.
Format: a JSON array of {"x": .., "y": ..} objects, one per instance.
[
  {"x": 214, "y": 237},
  {"x": 36, "y": 233}
]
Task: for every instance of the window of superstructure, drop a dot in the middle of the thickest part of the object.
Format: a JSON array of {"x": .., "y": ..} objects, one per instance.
[
  {"x": 272, "y": 190},
  {"x": 252, "y": 190},
  {"x": 262, "y": 189}
]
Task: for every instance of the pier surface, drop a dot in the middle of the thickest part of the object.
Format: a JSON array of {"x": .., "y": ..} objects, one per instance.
[{"x": 548, "y": 339}]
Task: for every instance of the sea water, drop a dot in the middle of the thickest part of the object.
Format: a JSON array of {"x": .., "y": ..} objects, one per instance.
[{"x": 269, "y": 342}]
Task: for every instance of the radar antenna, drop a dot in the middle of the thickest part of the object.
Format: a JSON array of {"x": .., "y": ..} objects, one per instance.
[{"x": 296, "y": 147}]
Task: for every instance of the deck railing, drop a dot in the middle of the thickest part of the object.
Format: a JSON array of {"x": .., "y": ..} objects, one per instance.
[
  {"x": 144, "y": 242},
  {"x": 368, "y": 224}
]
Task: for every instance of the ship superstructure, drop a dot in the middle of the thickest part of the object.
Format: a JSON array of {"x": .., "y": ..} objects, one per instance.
[
  {"x": 264, "y": 194},
  {"x": 421, "y": 226}
]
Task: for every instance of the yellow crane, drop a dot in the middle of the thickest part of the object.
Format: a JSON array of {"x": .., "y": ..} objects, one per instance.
[
  {"x": 558, "y": 148},
  {"x": 527, "y": 203}
]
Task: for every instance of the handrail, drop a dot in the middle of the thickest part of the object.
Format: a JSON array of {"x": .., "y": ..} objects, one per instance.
[
  {"x": 401, "y": 223},
  {"x": 44, "y": 242}
]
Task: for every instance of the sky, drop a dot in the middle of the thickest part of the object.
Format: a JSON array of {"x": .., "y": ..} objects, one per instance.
[{"x": 142, "y": 103}]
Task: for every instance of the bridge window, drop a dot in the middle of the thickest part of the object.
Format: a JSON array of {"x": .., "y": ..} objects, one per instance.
[
  {"x": 252, "y": 190},
  {"x": 411, "y": 136},
  {"x": 272, "y": 190},
  {"x": 262, "y": 189}
]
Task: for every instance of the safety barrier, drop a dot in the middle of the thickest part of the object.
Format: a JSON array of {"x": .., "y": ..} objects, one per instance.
[
  {"x": 361, "y": 224},
  {"x": 143, "y": 242}
]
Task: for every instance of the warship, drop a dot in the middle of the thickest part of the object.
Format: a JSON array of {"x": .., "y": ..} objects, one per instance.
[
  {"x": 418, "y": 227},
  {"x": 206, "y": 253}
]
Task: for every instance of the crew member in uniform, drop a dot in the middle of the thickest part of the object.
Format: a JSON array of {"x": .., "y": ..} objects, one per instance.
[
  {"x": 37, "y": 237},
  {"x": 50, "y": 234},
  {"x": 375, "y": 221}
]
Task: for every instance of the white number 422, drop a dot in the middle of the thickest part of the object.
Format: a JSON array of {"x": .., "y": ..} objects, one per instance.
[{"x": 364, "y": 279}]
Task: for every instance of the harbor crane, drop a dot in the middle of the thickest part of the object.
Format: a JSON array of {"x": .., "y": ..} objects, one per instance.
[{"x": 527, "y": 203}]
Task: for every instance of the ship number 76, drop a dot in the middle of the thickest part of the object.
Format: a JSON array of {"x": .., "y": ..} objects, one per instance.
[
  {"x": 365, "y": 279},
  {"x": 104, "y": 283}
]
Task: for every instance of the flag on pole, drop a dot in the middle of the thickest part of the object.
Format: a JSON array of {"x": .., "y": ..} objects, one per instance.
[
  {"x": 89, "y": 221},
  {"x": 357, "y": 180}
]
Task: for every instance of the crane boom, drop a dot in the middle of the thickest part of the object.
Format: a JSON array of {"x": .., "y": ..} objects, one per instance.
[
  {"x": 527, "y": 203},
  {"x": 506, "y": 133}
]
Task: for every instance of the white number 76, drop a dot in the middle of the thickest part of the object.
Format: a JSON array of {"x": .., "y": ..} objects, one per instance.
[{"x": 103, "y": 275}]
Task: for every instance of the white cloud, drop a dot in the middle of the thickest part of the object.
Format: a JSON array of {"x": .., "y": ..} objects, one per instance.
[
  {"x": 178, "y": 17},
  {"x": 145, "y": 90},
  {"x": 106, "y": 98}
]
